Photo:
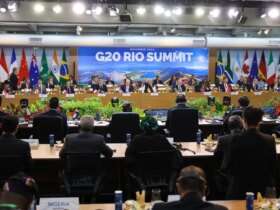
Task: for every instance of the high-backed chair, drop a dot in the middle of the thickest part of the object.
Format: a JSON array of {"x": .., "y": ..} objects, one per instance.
[
  {"x": 43, "y": 126},
  {"x": 155, "y": 170},
  {"x": 183, "y": 124},
  {"x": 123, "y": 123},
  {"x": 83, "y": 174}
]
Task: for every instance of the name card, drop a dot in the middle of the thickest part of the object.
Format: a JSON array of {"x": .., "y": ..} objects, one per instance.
[
  {"x": 70, "y": 95},
  {"x": 126, "y": 94},
  {"x": 43, "y": 95},
  {"x": 181, "y": 93},
  {"x": 154, "y": 94},
  {"x": 207, "y": 93},
  {"x": 258, "y": 93},
  {"x": 59, "y": 204},
  {"x": 234, "y": 93},
  {"x": 34, "y": 143},
  {"x": 101, "y": 94},
  {"x": 10, "y": 96}
]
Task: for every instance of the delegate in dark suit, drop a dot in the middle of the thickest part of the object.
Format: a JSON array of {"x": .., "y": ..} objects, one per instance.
[
  {"x": 252, "y": 163},
  {"x": 85, "y": 142},
  {"x": 11, "y": 146},
  {"x": 191, "y": 202}
]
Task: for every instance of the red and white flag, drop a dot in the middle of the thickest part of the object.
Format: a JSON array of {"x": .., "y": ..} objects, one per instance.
[
  {"x": 4, "y": 72},
  {"x": 245, "y": 67}
]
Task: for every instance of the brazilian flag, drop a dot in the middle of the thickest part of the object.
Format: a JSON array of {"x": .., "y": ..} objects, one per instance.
[{"x": 64, "y": 72}]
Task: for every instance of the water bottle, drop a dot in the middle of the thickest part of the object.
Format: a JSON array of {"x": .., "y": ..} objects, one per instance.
[
  {"x": 250, "y": 201},
  {"x": 128, "y": 138},
  {"x": 97, "y": 116},
  {"x": 51, "y": 140},
  {"x": 118, "y": 200},
  {"x": 198, "y": 136}
]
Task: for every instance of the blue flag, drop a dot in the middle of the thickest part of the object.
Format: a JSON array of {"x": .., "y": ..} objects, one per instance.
[
  {"x": 254, "y": 68},
  {"x": 219, "y": 65},
  {"x": 34, "y": 74},
  {"x": 13, "y": 63}
]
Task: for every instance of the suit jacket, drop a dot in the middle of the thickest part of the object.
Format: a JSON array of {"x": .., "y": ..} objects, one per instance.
[
  {"x": 10, "y": 145},
  {"x": 13, "y": 81},
  {"x": 148, "y": 87},
  {"x": 85, "y": 142},
  {"x": 95, "y": 86},
  {"x": 130, "y": 89},
  {"x": 252, "y": 163},
  {"x": 150, "y": 142},
  {"x": 53, "y": 112},
  {"x": 191, "y": 202},
  {"x": 156, "y": 82}
]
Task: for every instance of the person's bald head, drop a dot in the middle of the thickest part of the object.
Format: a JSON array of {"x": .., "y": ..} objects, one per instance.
[
  {"x": 191, "y": 179},
  {"x": 235, "y": 122},
  {"x": 86, "y": 123}
]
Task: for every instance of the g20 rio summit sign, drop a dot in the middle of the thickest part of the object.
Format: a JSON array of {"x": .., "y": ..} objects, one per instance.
[{"x": 141, "y": 63}]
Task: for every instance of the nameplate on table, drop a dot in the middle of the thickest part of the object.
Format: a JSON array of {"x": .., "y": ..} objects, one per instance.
[
  {"x": 154, "y": 94},
  {"x": 258, "y": 93},
  {"x": 34, "y": 143},
  {"x": 234, "y": 93},
  {"x": 10, "y": 96},
  {"x": 43, "y": 95},
  {"x": 207, "y": 93},
  {"x": 59, "y": 203},
  {"x": 126, "y": 94},
  {"x": 70, "y": 95},
  {"x": 171, "y": 198},
  {"x": 181, "y": 93},
  {"x": 101, "y": 94}
]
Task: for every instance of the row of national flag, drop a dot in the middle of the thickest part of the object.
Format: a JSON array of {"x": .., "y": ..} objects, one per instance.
[
  {"x": 267, "y": 70},
  {"x": 58, "y": 70}
]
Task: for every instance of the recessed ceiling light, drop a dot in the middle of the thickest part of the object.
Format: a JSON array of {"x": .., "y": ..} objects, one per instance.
[
  {"x": 114, "y": 11},
  {"x": 39, "y": 8},
  {"x": 12, "y": 6},
  {"x": 3, "y": 10},
  {"x": 215, "y": 13},
  {"x": 199, "y": 12},
  {"x": 158, "y": 10},
  {"x": 141, "y": 10},
  {"x": 167, "y": 13},
  {"x": 57, "y": 8},
  {"x": 273, "y": 13},
  {"x": 79, "y": 8},
  {"x": 97, "y": 10},
  {"x": 233, "y": 13},
  {"x": 88, "y": 12},
  {"x": 266, "y": 31},
  {"x": 177, "y": 11},
  {"x": 263, "y": 15}
]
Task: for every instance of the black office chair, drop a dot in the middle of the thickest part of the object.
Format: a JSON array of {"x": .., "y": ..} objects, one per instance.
[
  {"x": 123, "y": 123},
  {"x": 183, "y": 124},
  {"x": 83, "y": 174},
  {"x": 43, "y": 126},
  {"x": 10, "y": 165},
  {"x": 24, "y": 103},
  {"x": 155, "y": 170}
]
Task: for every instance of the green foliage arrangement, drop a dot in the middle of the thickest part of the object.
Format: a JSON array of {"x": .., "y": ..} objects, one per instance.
[{"x": 273, "y": 102}]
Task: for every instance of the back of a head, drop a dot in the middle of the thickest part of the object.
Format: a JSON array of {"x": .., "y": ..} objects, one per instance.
[
  {"x": 181, "y": 99},
  {"x": 235, "y": 122},
  {"x": 127, "y": 107},
  {"x": 86, "y": 123},
  {"x": 9, "y": 124},
  {"x": 54, "y": 102},
  {"x": 149, "y": 125},
  {"x": 252, "y": 116},
  {"x": 192, "y": 179},
  {"x": 20, "y": 190},
  {"x": 244, "y": 101}
]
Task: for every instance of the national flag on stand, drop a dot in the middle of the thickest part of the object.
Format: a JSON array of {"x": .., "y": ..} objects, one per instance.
[
  {"x": 44, "y": 73},
  {"x": 237, "y": 68},
  {"x": 4, "y": 72},
  {"x": 228, "y": 71},
  {"x": 262, "y": 67},
  {"x": 254, "y": 68},
  {"x": 13, "y": 63},
  {"x": 34, "y": 74},
  {"x": 245, "y": 67},
  {"x": 55, "y": 68},
  {"x": 64, "y": 73},
  {"x": 271, "y": 73},
  {"x": 23, "y": 71},
  {"x": 219, "y": 65},
  {"x": 278, "y": 68}
]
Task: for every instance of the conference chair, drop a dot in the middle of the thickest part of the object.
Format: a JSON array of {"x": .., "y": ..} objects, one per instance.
[
  {"x": 83, "y": 174},
  {"x": 183, "y": 124},
  {"x": 10, "y": 165},
  {"x": 121, "y": 124},
  {"x": 155, "y": 170},
  {"x": 43, "y": 126},
  {"x": 24, "y": 103}
]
